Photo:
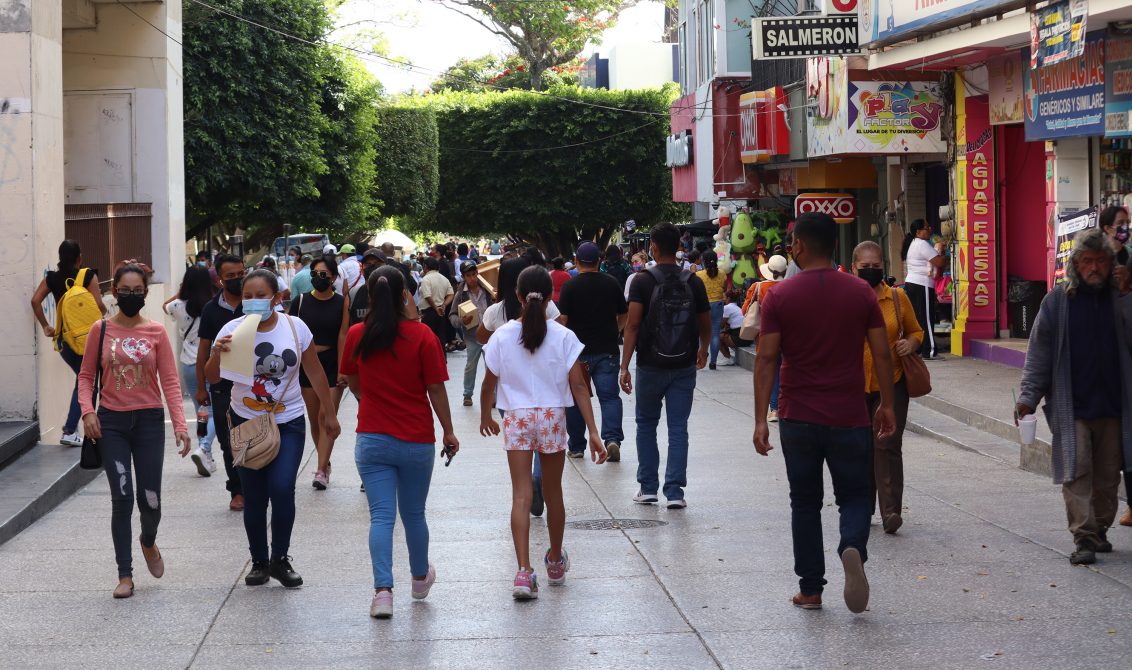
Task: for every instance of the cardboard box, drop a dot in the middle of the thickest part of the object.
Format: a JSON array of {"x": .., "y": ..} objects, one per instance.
[
  {"x": 467, "y": 309},
  {"x": 489, "y": 276}
]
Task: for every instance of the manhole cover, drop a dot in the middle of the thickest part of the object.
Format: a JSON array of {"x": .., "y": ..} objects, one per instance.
[{"x": 615, "y": 524}]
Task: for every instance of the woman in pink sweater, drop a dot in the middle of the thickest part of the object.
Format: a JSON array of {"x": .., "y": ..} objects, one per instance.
[{"x": 135, "y": 356}]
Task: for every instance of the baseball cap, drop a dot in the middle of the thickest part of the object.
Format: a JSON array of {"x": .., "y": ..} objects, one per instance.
[
  {"x": 587, "y": 253},
  {"x": 776, "y": 265},
  {"x": 346, "y": 249},
  {"x": 468, "y": 267},
  {"x": 330, "y": 249},
  {"x": 375, "y": 253}
]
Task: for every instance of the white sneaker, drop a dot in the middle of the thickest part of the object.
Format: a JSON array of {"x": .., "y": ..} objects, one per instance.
[
  {"x": 679, "y": 503},
  {"x": 209, "y": 462},
  {"x": 198, "y": 460},
  {"x": 727, "y": 361},
  {"x": 645, "y": 498},
  {"x": 71, "y": 440}
]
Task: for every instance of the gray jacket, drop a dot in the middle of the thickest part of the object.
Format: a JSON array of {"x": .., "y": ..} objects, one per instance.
[{"x": 1047, "y": 375}]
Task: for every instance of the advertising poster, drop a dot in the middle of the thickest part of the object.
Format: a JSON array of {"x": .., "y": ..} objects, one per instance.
[
  {"x": 1057, "y": 32},
  {"x": 1006, "y": 85},
  {"x": 1067, "y": 99},
  {"x": 895, "y": 117},
  {"x": 1068, "y": 225},
  {"x": 1118, "y": 87},
  {"x": 887, "y": 19}
]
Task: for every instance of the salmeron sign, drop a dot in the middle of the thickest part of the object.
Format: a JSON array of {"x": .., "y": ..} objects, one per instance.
[{"x": 804, "y": 36}]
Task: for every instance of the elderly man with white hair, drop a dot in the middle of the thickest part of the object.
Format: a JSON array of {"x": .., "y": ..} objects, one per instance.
[{"x": 1078, "y": 361}]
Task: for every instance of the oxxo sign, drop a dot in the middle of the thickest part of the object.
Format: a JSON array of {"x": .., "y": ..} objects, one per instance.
[{"x": 841, "y": 206}]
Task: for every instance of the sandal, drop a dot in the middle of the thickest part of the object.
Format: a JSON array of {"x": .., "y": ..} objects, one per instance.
[
  {"x": 156, "y": 564},
  {"x": 125, "y": 588}
]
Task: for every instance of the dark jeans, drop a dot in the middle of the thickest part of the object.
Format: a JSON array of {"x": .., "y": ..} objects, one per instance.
[
  {"x": 847, "y": 451},
  {"x": 888, "y": 454},
  {"x": 137, "y": 436},
  {"x": 74, "y": 413},
  {"x": 221, "y": 396},
  {"x": 274, "y": 483},
  {"x": 604, "y": 370},
  {"x": 674, "y": 390}
]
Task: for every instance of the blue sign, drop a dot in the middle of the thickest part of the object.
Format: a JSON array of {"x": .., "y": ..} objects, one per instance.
[
  {"x": 887, "y": 20},
  {"x": 1067, "y": 99},
  {"x": 1118, "y": 86}
]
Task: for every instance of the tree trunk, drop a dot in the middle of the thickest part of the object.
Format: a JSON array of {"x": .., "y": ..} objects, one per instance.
[
  {"x": 536, "y": 70},
  {"x": 671, "y": 16}
]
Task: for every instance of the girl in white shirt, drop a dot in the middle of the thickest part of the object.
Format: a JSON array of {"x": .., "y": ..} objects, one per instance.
[
  {"x": 921, "y": 261},
  {"x": 534, "y": 363}
]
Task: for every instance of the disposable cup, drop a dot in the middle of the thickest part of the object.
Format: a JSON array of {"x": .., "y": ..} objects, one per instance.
[{"x": 1028, "y": 429}]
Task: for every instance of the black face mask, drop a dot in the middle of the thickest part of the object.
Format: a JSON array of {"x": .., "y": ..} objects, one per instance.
[
  {"x": 234, "y": 286},
  {"x": 320, "y": 283},
  {"x": 872, "y": 275},
  {"x": 367, "y": 271},
  {"x": 131, "y": 304}
]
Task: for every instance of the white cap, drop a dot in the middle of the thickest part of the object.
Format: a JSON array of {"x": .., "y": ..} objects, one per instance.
[
  {"x": 569, "y": 265},
  {"x": 330, "y": 249},
  {"x": 776, "y": 265}
]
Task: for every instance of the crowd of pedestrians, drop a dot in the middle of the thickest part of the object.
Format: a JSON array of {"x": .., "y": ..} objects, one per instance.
[{"x": 552, "y": 336}]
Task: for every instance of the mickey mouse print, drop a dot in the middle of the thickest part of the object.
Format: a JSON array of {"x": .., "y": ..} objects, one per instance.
[{"x": 273, "y": 384}]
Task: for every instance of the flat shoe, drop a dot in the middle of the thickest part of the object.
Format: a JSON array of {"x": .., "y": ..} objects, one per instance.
[
  {"x": 856, "y": 584},
  {"x": 156, "y": 565},
  {"x": 125, "y": 589}
]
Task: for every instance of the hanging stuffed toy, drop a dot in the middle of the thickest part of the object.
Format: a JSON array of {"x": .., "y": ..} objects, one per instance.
[
  {"x": 743, "y": 234},
  {"x": 723, "y": 240}
]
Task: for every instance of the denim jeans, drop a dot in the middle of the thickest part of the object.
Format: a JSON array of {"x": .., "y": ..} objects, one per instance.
[
  {"x": 675, "y": 389},
  {"x": 474, "y": 350},
  {"x": 395, "y": 473},
  {"x": 716, "y": 322},
  {"x": 74, "y": 412},
  {"x": 847, "y": 452},
  {"x": 604, "y": 371},
  {"x": 189, "y": 386},
  {"x": 274, "y": 484},
  {"x": 137, "y": 436},
  {"x": 221, "y": 397}
]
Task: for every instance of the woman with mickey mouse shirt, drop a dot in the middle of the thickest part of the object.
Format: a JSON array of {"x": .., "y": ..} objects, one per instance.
[
  {"x": 136, "y": 357},
  {"x": 278, "y": 343}
]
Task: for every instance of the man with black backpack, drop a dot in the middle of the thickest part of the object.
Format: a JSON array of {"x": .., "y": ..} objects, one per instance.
[{"x": 669, "y": 327}]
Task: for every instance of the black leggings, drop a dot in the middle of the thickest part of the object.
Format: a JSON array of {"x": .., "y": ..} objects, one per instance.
[
  {"x": 138, "y": 436},
  {"x": 923, "y": 303}
]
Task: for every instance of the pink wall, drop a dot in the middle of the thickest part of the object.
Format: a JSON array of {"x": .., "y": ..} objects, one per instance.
[
  {"x": 1022, "y": 204},
  {"x": 683, "y": 117}
]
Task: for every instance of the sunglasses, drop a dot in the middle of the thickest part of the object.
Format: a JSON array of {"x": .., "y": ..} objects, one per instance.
[{"x": 322, "y": 275}]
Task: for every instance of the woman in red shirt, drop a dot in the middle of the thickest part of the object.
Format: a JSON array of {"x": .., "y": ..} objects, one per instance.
[
  {"x": 136, "y": 357},
  {"x": 397, "y": 368},
  {"x": 559, "y": 276}
]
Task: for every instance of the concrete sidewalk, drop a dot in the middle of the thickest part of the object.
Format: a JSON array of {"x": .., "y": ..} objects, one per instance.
[{"x": 977, "y": 578}]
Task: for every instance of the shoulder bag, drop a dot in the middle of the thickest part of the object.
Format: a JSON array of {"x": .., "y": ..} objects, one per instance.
[
  {"x": 917, "y": 379},
  {"x": 90, "y": 458},
  {"x": 255, "y": 442},
  {"x": 749, "y": 331}
]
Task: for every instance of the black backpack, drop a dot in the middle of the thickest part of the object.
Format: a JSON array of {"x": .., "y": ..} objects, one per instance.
[{"x": 671, "y": 321}]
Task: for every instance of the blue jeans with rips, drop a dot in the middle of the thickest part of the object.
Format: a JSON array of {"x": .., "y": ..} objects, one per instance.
[
  {"x": 674, "y": 390},
  {"x": 396, "y": 473},
  {"x": 274, "y": 484},
  {"x": 132, "y": 438},
  {"x": 604, "y": 370},
  {"x": 848, "y": 454}
]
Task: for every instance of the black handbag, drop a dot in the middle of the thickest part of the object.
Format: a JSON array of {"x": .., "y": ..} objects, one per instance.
[{"x": 89, "y": 457}]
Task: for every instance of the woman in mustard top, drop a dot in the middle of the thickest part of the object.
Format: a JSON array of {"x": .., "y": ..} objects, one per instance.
[
  {"x": 888, "y": 463},
  {"x": 716, "y": 284}
]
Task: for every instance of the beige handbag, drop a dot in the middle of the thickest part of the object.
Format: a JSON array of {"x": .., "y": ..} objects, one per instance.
[
  {"x": 750, "y": 329},
  {"x": 255, "y": 442}
]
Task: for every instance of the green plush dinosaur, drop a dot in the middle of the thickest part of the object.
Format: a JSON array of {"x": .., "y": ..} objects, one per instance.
[
  {"x": 772, "y": 236},
  {"x": 744, "y": 269},
  {"x": 743, "y": 234}
]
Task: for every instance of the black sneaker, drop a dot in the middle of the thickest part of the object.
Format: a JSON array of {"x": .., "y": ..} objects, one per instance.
[
  {"x": 536, "y": 499},
  {"x": 1104, "y": 546},
  {"x": 282, "y": 572},
  {"x": 1083, "y": 556},
  {"x": 259, "y": 574},
  {"x": 711, "y": 366}
]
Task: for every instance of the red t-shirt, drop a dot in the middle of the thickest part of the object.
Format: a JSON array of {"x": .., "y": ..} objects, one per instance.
[
  {"x": 824, "y": 317},
  {"x": 559, "y": 277},
  {"x": 394, "y": 398}
]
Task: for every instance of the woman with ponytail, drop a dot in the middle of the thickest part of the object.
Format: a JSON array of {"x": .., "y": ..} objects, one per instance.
[
  {"x": 534, "y": 363},
  {"x": 396, "y": 367},
  {"x": 716, "y": 284}
]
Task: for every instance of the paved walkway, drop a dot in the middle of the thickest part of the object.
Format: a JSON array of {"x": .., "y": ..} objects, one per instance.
[{"x": 977, "y": 578}]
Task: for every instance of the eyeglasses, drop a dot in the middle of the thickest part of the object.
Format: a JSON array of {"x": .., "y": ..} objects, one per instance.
[
  {"x": 322, "y": 275},
  {"x": 123, "y": 293}
]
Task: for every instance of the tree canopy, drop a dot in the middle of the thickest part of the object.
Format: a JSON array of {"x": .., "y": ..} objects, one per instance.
[
  {"x": 407, "y": 160},
  {"x": 551, "y": 170},
  {"x": 500, "y": 73},
  {"x": 543, "y": 34}
]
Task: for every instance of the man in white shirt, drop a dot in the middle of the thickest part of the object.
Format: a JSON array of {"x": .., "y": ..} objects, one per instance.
[
  {"x": 436, "y": 294},
  {"x": 349, "y": 270},
  {"x": 921, "y": 262}
]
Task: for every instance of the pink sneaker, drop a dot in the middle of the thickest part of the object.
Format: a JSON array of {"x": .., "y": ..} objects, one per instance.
[
  {"x": 321, "y": 480},
  {"x": 526, "y": 585},
  {"x": 382, "y": 605},
  {"x": 421, "y": 587},
  {"x": 556, "y": 570}
]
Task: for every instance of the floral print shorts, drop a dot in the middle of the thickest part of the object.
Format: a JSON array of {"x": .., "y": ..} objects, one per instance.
[{"x": 535, "y": 429}]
